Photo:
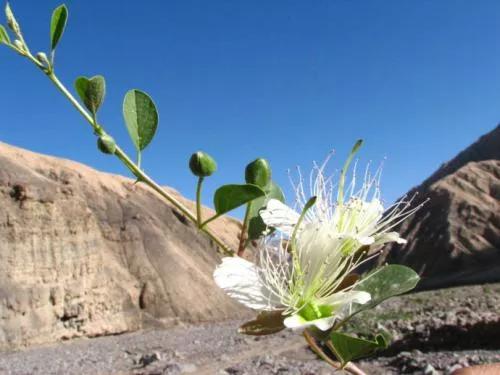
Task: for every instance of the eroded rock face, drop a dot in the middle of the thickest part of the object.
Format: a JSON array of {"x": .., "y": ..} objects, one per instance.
[
  {"x": 84, "y": 253},
  {"x": 455, "y": 238}
]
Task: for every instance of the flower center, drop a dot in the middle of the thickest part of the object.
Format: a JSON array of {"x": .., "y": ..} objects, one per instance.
[{"x": 312, "y": 311}]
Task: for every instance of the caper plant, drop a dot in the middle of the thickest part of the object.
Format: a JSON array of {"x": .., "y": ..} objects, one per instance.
[
  {"x": 141, "y": 119},
  {"x": 305, "y": 274}
]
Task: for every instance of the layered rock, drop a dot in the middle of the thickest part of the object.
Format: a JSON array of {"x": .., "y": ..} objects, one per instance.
[
  {"x": 455, "y": 238},
  {"x": 85, "y": 253}
]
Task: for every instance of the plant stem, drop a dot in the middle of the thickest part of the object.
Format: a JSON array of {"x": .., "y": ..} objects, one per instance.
[
  {"x": 198, "y": 201},
  {"x": 349, "y": 367},
  {"x": 139, "y": 159},
  {"x": 244, "y": 227},
  {"x": 216, "y": 216},
  {"x": 120, "y": 154}
]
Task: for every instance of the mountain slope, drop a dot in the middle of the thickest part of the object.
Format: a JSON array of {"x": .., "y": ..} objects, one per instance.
[
  {"x": 455, "y": 238},
  {"x": 85, "y": 253}
]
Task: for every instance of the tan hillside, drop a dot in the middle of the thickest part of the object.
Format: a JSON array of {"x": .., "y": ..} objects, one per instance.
[{"x": 85, "y": 253}]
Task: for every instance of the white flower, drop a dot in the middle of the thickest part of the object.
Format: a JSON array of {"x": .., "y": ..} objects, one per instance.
[
  {"x": 306, "y": 293},
  {"x": 302, "y": 270},
  {"x": 361, "y": 218}
]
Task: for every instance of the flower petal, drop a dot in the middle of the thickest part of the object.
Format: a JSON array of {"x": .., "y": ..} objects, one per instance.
[
  {"x": 296, "y": 321},
  {"x": 240, "y": 280},
  {"x": 346, "y": 298},
  {"x": 278, "y": 215},
  {"x": 389, "y": 237},
  {"x": 365, "y": 240}
]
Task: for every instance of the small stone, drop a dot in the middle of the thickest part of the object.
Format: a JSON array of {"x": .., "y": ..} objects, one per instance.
[
  {"x": 420, "y": 328},
  {"x": 453, "y": 368},
  {"x": 430, "y": 370},
  {"x": 187, "y": 368},
  {"x": 147, "y": 359},
  {"x": 172, "y": 368}
]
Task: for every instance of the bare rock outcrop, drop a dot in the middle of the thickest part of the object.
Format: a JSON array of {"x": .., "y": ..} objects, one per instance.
[
  {"x": 455, "y": 238},
  {"x": 85, "y": 253}
]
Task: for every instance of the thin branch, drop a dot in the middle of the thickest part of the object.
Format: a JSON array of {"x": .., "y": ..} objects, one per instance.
[
  {"x": 120, "y": 154},
  {"x": 244, "y": 229},
  {"x": 349, "y": 367}
]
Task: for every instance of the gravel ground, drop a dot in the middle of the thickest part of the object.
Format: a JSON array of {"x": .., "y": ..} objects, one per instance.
[{"x": 434, "y": 333}]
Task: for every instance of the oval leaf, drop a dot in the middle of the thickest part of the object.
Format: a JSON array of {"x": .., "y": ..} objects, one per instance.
[
  {"x": 91, "y": 91},
  {"x": 57, "y": 25},
  {"x": 346, "y": 348},
  {"x": 4, "y": 36},
  {"x": 229, "y": 197},
  {"x": 266, "y": 323},
  {"x": 385, "y": 282},
  {"x": 141, "y": 118},
  {"x": 256, "y": 226}
]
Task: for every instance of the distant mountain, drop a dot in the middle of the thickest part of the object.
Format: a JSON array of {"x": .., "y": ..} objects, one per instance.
[{"x": 455, "y": 238}]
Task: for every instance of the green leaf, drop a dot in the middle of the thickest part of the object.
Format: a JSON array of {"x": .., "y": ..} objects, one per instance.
[
  {"x": 57, "y": 25},
  {"x": 229, "y": 197},
  {"x": 141, "y": 118},
  {"x": 385, "y": 282},
  {"x": 346, "y": 348},
  {"x": 256, "y": 225},
  {"x": 91, "y": 91},
  {"x": 4, "y": 36},
  {"x": 266, "y": 323}
]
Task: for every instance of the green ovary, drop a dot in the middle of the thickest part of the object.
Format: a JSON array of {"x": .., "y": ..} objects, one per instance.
[{"x": 311, "y": 311}]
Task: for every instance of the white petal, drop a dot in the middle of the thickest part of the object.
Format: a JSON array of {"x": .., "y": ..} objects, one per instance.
[
  {"x": 279, "y": 216},
  {"x": 296, "y": 321},
  {"x": 346, "y": 298},
  {"x": 389, "y": 237},
  {"x": 365, "y": 240},
  {"x": 324, "y": 324},
  {"x": 240, "y": 280}
]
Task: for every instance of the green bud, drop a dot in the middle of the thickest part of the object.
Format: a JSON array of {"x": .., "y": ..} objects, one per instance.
[
  {"x": 202, "y": 164},
  {"x": 106, "y": 144},
  {"x": 42, "y": 59},
  {"x": 258, "y": 172},
  {"x": 19, "y": 45},
  {"x": 11, "y": 20}
]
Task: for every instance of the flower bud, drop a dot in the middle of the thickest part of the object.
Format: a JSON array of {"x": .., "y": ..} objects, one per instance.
[
  {"x": 19, "y": 45},
  {"x": 202, "y": 164},
  {"x": 106, "y": 144},
  {"x": 258, "y": 172},
  {"x": 42, "y": 59},
  {"x": 11, "y": 20}
]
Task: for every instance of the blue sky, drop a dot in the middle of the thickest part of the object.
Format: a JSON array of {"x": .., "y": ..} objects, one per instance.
[{"x": 285, "y": 80}]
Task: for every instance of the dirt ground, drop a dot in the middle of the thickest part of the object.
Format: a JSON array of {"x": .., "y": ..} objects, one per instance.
[{"x": 433, "y": 333}]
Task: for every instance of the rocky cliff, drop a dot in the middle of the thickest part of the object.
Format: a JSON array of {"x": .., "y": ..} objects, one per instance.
[
  {"x": 455, "y": 238},
  {"x": 85, "y": 253}
]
